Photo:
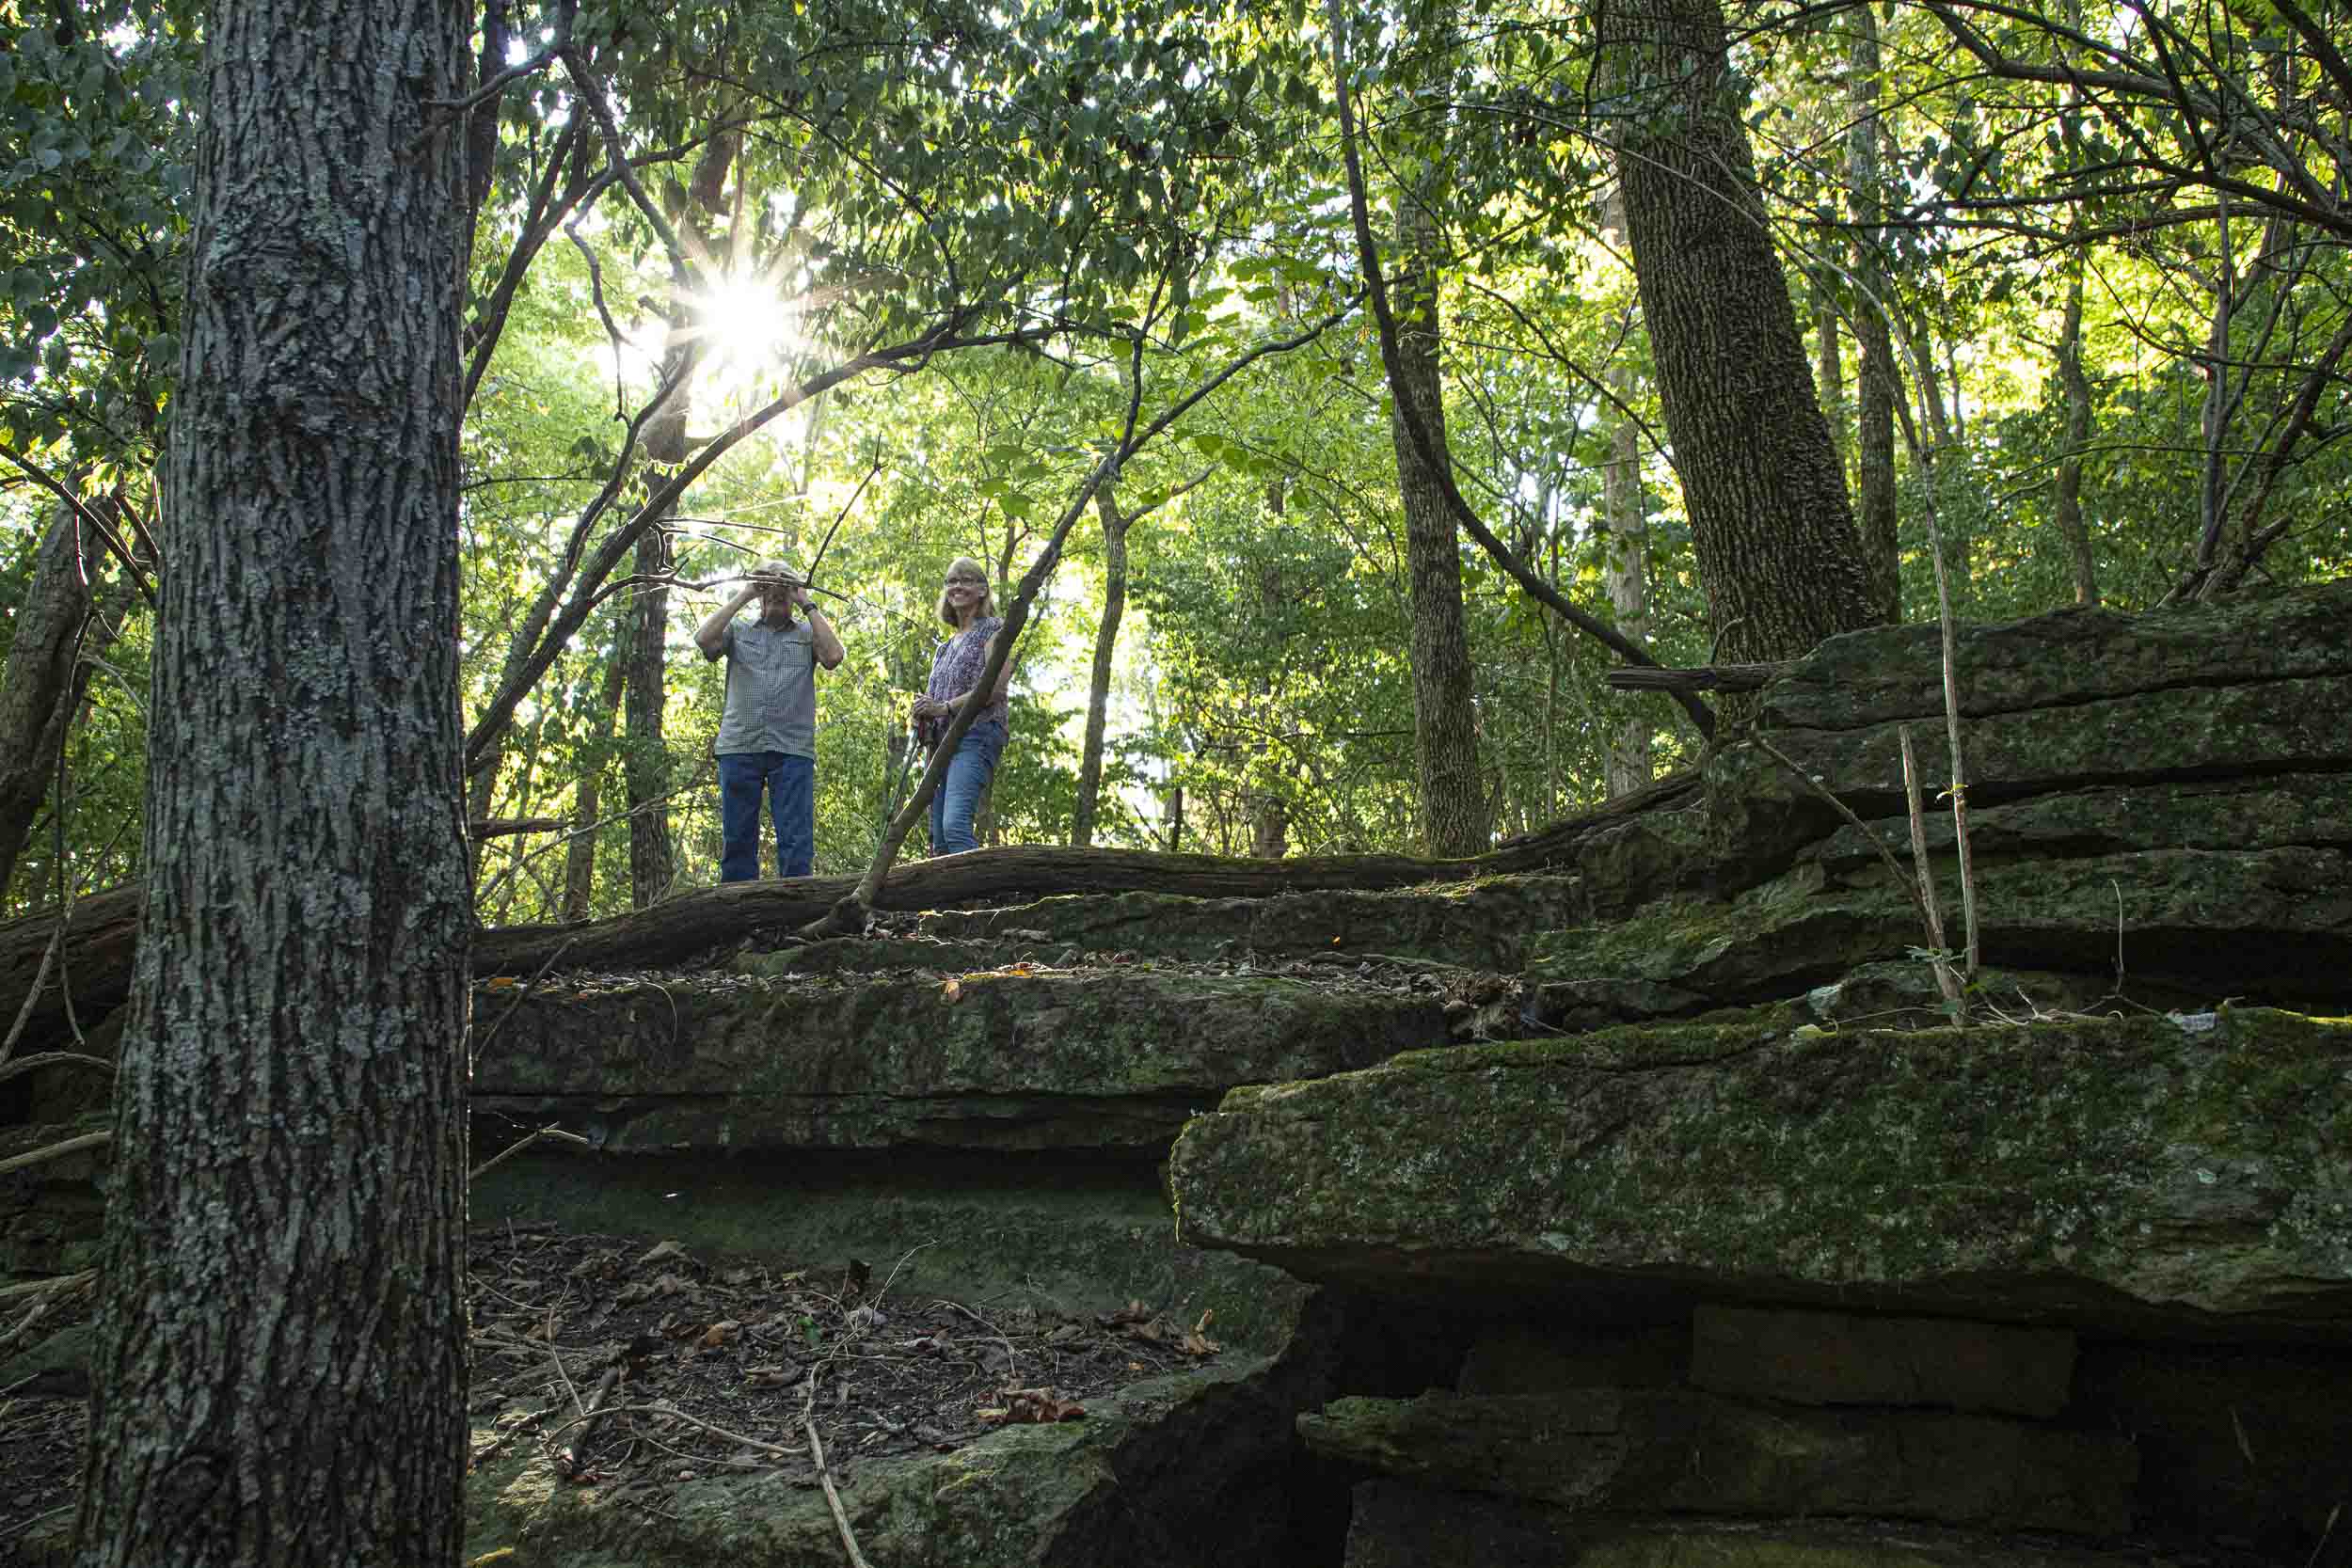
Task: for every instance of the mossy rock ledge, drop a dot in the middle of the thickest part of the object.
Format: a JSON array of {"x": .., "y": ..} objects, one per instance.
[
  {"x": 1081, "y": 1494},
  {"x": 2182, "y": 1174},
  {"x": 761, "y": 1062}
]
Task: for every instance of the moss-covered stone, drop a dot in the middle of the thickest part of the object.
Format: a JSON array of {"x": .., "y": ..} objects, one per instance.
[
  {"x": 2072, "y": 655},
  {"x": 1396, "y": 1524},
  {"x": 1012, "y": 1230},
  {"x": 1026, "y": 1495},
  {"x": 2287, "y": 812},
  {"x": 2136, "y": 1170},
  {"x": 2275, "y": 923},
  {"x": 992, "y": 1060},
  {"x": 51, "y": 1212},
  {"x": 1677, "y": 1451},
  {"x": 1477, "y": 924}
]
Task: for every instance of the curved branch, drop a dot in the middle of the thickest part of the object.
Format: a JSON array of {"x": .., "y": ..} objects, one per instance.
[{"x": 1438, "y": 462}]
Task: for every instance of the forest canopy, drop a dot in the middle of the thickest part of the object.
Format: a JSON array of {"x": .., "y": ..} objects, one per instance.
[{"x": 869, "y": 287}]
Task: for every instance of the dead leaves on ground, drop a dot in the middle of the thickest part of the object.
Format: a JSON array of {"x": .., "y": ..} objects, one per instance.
[
  {"x": 1035, "y": 1406},
  {"x": 1141, "y": 1322},
  {"x": 563, "y": 1323}
]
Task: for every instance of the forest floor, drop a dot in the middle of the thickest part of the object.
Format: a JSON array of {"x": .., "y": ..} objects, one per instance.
[{"x": 636, "y": 1366}]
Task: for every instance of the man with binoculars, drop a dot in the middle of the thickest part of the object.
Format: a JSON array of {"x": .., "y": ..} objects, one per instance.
[{"x": 768, "y": 733}]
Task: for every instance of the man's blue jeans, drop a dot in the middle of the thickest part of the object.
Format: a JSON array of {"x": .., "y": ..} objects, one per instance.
[
  {"x": 792, "y": 785},
  {"x": 959, "y": 796}
]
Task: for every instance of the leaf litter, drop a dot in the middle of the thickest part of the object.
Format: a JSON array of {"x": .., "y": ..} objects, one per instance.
[{"x": 637, "y": 1364}]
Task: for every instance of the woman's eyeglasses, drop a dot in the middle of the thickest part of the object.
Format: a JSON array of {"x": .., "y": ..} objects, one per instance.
[{"x": 974, "y": 582}]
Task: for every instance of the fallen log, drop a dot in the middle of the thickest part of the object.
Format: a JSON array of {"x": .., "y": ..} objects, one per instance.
[
  {"x": 507, "y": 827},
  {"x": 102, "y": 935},
  {"x": 696, "y": 923},
  {"x": 100, "y": 938},
  {"x": 1700, "y": 678}
]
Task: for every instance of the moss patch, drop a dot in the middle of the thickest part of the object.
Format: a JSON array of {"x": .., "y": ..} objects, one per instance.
[{"x": 2131, "y": 1168}]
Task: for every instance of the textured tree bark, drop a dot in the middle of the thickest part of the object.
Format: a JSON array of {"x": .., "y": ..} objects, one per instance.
[
  {"x": 44, "y": 683},
  {"x": 1775, "y": 539},
  {"x": 280, "y": 1370},
  {"x": 1453, "y": 807},
  {"x": 1105, "y": 648},
  {"x": 1877, "y": 384}
]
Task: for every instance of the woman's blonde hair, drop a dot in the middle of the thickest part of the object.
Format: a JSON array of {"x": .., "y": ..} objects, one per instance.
[{"x": 963, "y": 566}]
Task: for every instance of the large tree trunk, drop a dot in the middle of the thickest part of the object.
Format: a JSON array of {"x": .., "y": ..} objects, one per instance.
[
  {"x": 1877, "y": 383},
  {"x": 1105, "y": 649},
  {"x": 1453, "y": 808},
  {"x": 280, "y": 1369},
  {"x": 45, "y": 680},
  {"x": 1776, "y": 540}
]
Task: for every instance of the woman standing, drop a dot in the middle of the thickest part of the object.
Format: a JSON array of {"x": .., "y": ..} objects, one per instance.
[{"x": 965, "y": 604}]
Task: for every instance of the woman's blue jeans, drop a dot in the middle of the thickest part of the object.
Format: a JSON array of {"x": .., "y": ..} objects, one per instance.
[
  {"x": 790, "y": 784},
  {"x": 959, "y": 796}
]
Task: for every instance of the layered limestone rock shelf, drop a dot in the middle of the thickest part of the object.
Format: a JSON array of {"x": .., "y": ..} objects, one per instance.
[
  {"x": 1003, "y": 1060},
  {"x": 2182, "y": 1172},
  {"x": 1677, "y": 1451},
  {"x": 1075, "y": 1494},
  {"x": 1670, "y": 1220}
]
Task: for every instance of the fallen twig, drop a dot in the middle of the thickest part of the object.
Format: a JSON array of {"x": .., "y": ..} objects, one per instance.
[
  {"x": 1848, "y": 812},
  {"x": 40, "y": 1059},
  {"x": 824, "y": 1478},
  {"x": 550, "y": 1131},
  {"x": 34, "y": 1286},
  {"x": 55, "y": 1151},
  {"x": 1945, "y": 979},
  {"x": 594, "y": 1412},
  {"x": 673, "y": 1413},
  {"x": 32, "y": 992},
  {"x": 52, "y": 1291},
  {"x": 540, "y": 974}
]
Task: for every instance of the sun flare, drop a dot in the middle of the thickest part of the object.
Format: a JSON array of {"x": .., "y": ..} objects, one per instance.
[{"x": 748, "y": 328}]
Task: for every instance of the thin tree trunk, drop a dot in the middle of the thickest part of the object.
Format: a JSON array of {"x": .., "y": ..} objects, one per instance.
[
  {"x": 1454, "y": 810},
  {"x": 1830, "y": 356},
  {"x": 1082, "y": 815},
  {"x": 1776, "y": 540},
  {"x": 279, "y": 1370},
  {"x": 1877, "y": 385},
  {"x": 652, "y": 856},
  {"x": 652, "y": 862},
  {"x": 579, "y": 853},
  {"x": 1626, "y": 571},
  {"x": 48, "y": 672},
  {"x": 1918, "y": 346},
  {"x": 2076, "y": 386},
  {"x": 521, "y": 808}
]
